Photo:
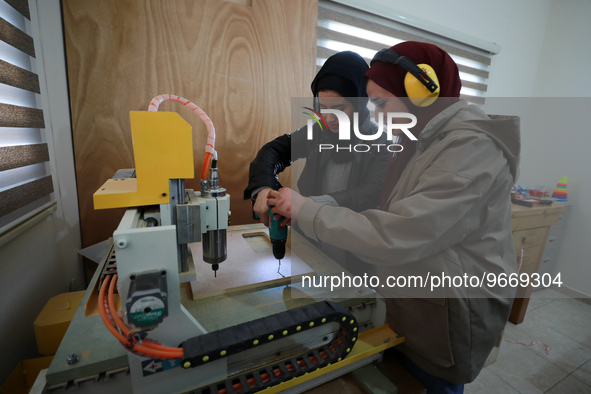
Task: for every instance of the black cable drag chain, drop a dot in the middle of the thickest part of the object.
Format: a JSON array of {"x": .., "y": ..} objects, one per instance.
[{"x": 213, "y": 346}]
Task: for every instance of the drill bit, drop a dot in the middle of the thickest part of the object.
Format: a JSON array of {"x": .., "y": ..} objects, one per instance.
[{"x": 279, "y": 269}]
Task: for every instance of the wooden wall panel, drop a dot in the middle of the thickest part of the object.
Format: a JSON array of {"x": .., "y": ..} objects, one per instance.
[{"x": 241, "y": 63}]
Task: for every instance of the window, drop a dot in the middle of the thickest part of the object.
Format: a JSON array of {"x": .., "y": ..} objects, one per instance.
[
  {"x": 26, "y": 184},
  {"x": 342, "y": 28}
]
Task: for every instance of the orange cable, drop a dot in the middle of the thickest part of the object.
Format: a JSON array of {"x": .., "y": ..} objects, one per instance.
[
  {"x": 205, "y": 167},
  {"x": 123, "y": 340},
  {"x": 125, "y": 330}
]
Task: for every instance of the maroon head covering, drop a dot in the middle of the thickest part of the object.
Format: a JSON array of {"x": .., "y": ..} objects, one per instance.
[{"x": 391, "y": 77}]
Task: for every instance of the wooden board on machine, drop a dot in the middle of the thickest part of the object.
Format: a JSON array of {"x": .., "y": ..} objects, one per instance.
[
  {"x": 241, "y": 62},
  {"x": 250, "y": 266}
]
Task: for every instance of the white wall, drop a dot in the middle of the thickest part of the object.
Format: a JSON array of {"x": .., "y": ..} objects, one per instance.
[
  {"x": 563, "y": 70},
  {"x": 43, "y": 261},
  {"x": 517, "y": 26},
  {"x": 563, "y": 150}
]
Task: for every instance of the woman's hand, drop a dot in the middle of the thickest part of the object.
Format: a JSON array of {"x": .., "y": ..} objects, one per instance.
[{"x": 286, "y": 203}]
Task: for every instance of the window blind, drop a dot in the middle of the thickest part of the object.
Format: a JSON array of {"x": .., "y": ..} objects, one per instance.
[
  {"x": 26, "y": 184},
  {"x": 342, "y": 28}
]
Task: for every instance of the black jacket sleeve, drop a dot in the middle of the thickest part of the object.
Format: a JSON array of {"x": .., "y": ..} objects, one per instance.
[{"x": 271, "y": 160}]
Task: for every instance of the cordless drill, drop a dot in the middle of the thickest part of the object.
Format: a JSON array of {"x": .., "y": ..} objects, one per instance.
[{"x": 278, "y": 235}]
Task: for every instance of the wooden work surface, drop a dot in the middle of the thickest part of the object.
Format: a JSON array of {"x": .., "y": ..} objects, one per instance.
[
  {"x": 530, "y": 226},
  {"x": 265, "y": 292},
  {"x": 250, "y": 265}
]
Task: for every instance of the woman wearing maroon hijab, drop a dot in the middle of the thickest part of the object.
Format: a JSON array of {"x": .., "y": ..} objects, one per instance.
[
  {"x": 391, "y": 78},
  {"x": 444, "y": 219}
]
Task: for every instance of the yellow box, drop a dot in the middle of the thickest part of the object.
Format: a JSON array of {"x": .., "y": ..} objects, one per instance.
[
  {"x": 53, "y": 321},
  {"x": 23, "y": 376}
]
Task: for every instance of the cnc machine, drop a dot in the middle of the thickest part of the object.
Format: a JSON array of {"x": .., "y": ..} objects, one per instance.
[{"x": 137, "y": 330}]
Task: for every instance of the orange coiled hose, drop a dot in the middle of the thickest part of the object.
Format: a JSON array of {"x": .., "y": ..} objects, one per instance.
[{"x": 210, "y": 146}]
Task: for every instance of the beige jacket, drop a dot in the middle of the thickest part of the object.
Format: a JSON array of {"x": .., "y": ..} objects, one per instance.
[{"x": 448, "y": 215}]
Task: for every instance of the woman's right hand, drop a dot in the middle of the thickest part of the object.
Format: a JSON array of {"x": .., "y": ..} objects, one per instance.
[{"x": 260, "y": 206}]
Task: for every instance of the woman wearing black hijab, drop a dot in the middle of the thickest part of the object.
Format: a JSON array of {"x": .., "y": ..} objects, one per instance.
[{"x": 336, "y": 177}]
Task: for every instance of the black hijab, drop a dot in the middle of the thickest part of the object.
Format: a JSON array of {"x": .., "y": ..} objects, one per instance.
[{"x": 344, "y": 72}]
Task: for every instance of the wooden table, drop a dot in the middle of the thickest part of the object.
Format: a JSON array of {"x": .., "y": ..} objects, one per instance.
[{"x": 530, "y": 228}]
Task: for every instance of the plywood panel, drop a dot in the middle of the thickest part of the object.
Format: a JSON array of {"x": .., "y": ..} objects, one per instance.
[
  {"x": 241, "y": 63},
  {"x": 250, "y": 266}
]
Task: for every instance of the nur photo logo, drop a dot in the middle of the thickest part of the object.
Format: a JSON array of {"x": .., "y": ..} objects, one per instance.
[
  {"x": 389, "y": 121},
  {"x": 317, "y": 117}
]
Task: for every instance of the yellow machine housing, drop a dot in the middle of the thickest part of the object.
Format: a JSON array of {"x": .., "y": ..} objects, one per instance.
[{"x": 155, "y": 162}]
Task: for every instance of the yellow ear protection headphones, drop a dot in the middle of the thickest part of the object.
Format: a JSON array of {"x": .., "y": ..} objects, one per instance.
[{"x": 421, "y": 83}]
